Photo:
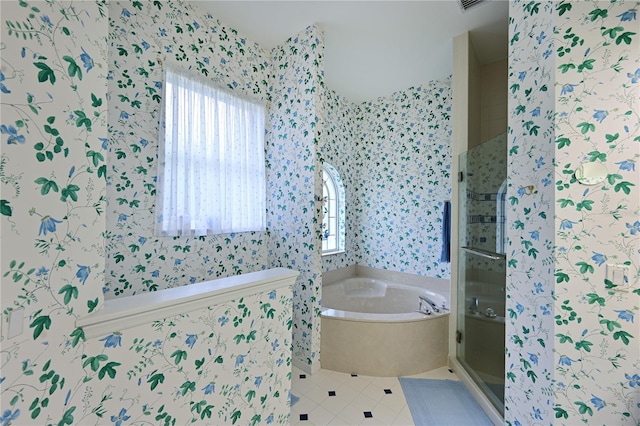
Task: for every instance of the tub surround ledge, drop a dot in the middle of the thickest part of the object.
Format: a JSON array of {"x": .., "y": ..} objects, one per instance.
[
  {"x": 130, "y": 311},
  {"x": 370, "y": 324}
]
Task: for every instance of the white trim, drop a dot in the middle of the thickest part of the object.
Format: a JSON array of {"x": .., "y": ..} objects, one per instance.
[
  {"x": 309, "y": 369},
  {"x": 130, "y": 311},
  {"x": 329, "y": 253}
]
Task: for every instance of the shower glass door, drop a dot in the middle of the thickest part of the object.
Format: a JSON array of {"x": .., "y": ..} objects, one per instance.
[{"x": 482, "y": 266}]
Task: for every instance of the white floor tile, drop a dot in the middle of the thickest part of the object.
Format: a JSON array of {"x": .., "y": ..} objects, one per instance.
[
  {"x": 316, "y": 394},
  {"x": 303, "y": 406},
  {"x": 337, "y": 421},
  {"x": 354, "y": 396},
  {"x": 441, "y": 373},
  {"x": 347, "y": 393},
  {"x": 332, "y": 375},
  {"x": 395, "y": 402},
  {"x": 374, "y": 391},
  {"x": 404, "y": 411},
  {"x": 387, "y": 382},
  {"x": 334, "y": 404},
  {"x": 321, "y": 416},
  {"x": 351, "y": 415},
  {"x": 383, "y": 415},
  {"x": 356, "y": 385},
  {"x": 364, "y": 403},
  {"x": 402, "y": 420},
  {"x": 303, "y": 387}
]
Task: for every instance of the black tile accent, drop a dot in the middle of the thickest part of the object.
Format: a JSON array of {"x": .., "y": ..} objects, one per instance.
[
  {"x": 367, "y": 414},
  {"x": 354, "y": 375},
  {"x": 304, "y": 417},
  {"x": 303, "y": 376},
  {"x": 332, "y": 393},
  {"x": 387, "y": 391}
]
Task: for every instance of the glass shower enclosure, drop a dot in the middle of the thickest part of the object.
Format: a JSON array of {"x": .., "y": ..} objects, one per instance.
[{"x": 482, "y": 267}]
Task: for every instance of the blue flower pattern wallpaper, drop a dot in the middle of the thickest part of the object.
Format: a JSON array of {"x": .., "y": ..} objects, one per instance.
[
  {"x": 294, "y": 182},
  {"x": 573, "y": 354},
  {"x": 405, "y": 179},
  {"x": 143, "y": 36},
  {"x": 340, "y": 148},
  {"x": 394, "y": 157},
  {"x": 77, "y": 181},
  {"x": 226, "y": 364}
]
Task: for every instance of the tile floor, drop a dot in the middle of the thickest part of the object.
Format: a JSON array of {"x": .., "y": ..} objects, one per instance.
[{"x": 332, "y": 398}]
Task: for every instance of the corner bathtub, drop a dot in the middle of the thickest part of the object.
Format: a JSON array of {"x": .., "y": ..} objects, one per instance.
[{"x": 372, "y": 327}]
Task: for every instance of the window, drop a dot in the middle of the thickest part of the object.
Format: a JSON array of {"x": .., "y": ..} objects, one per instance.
[
  {"x": 333, "y": 212},
  {"x": 211, "y": 173}
]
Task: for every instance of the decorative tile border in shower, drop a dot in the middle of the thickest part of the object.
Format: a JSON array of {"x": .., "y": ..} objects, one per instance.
[
  {"x": 478, "y": 218},
  {"x": 481, "y": 196}
]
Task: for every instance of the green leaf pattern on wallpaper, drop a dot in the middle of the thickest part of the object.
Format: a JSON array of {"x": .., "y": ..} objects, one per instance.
[
  {"x": 60, "y": 79},
  {"x": 575, "y": 76},
  {"x": 405, "y": 179},
  {"x": 394, "y": 154},
  {"x": 142, "y": 37},
  {"x": 294, "y": 191}
]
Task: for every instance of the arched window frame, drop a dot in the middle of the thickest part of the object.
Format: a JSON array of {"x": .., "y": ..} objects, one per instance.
[{"x": 333, "y": 211}]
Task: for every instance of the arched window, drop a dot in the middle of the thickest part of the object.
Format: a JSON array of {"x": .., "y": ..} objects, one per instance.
[{"x": 333, "y": 223}]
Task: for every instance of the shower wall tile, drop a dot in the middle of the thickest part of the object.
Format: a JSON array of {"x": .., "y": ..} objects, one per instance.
[
  {"x": 143, "y": 36},
  {"x": 294, "y": 182},
  {"x": 486, "y": 170},
  {"x": 572, "y": 350}
]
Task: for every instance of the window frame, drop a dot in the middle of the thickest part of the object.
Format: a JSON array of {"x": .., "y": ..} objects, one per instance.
[
  {"x": 203, "y": 134},
  {"x": 332, "y": 205}
]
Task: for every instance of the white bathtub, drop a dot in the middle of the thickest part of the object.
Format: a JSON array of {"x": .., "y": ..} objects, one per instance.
[
  {"x": 373, "y": 327},
  {"x": 373, "y": 299}
]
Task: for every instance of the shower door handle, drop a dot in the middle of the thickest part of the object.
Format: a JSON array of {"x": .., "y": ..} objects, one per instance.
[{"x": 484, "y": 253}]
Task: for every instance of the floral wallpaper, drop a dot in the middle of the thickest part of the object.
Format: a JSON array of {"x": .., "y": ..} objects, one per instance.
[
  {"x": 142, "y": 36},
  {"x": 530, "y": 224},
  {"x": 294, "y": 182},
  {"x": 394, "y": 156},
  {"x": 79, "y": 86},
  {"x": 226, "y": 364},
  {"x": 53, "y": 121},
  {"x": 572, "y": 350},
  {"x": 404, "y": 179},
  {"x": 340, "y": 148},
  {"x": 603, "y": 218}
]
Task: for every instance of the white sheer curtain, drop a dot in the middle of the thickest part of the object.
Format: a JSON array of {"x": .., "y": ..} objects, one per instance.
[{"x": 211, "y": 173}]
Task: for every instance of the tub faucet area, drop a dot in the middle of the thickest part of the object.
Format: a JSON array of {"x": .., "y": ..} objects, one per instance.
[
  {"x": 473, "y": 307},
  {"x": 429, "y": 302}
]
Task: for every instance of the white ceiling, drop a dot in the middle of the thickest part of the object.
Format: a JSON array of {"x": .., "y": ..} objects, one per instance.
[{"x": 374, "y": 48}]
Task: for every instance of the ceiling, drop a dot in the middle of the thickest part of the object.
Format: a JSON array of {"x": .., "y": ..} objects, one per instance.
[{"x": 374, "y": 48}]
